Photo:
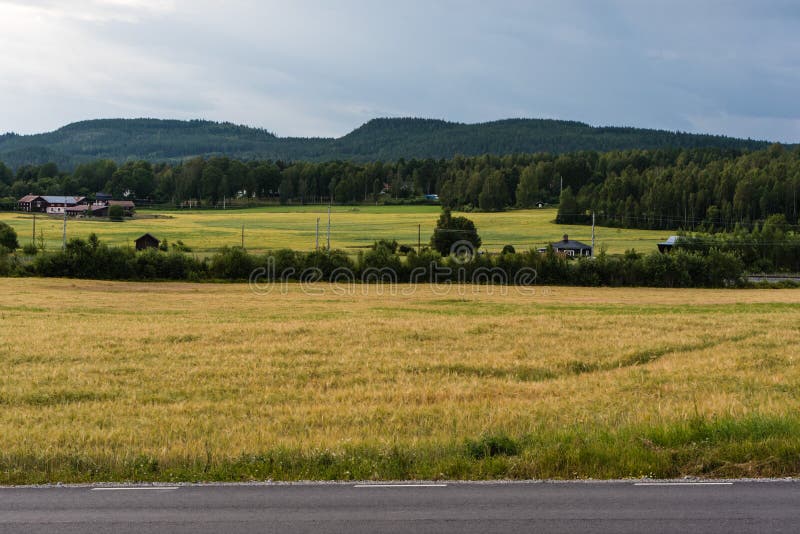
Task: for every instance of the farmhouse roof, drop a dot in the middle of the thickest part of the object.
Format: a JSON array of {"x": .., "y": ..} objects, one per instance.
[
  {"x": 51, "y": 199},
  {"x": 123, "y": 203},
  {"x": 671, "y": 240},
  {"x": 569, "y": 244},
  {"x": 84, "y": 207},
  {"x": 145, "y": 236},
  {"x": 28, "y": 198}
]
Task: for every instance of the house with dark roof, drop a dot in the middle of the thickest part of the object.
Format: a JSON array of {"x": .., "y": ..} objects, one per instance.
[
  {"x": 54, "y": 205},
  {"x": 146, "y": 241},
  {"x": 29, "y": 203},
  {"x": 570, "y": 247}
]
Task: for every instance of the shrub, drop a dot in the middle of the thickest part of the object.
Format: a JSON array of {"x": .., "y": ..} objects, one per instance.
[
  {"x": 508, "y": 249},
  {"x": 152, "y": 263},
  {"x": 8, "y": 237},
  {"x": 385, "y": 243},
  {"x": 419, "y": 265},
  {"x": 93, "y": 259},
  {"x": 724, "y": 268},
  {"x": 5, "y": 262},
  {"x": 30, "y": 249},
  {"x": 382, "y": 257},
  {"x": 116, "y": 213},
  {"x": 326, "y": 261},
  {"x": 232, "y": 264},
  {"x": 284, "y": 261},
  {"x": 179, "y": 246},
  {"x": 450, "y": 230}
]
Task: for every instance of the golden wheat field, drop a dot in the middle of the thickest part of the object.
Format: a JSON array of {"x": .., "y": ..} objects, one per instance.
[{"x": 168, "y": 381}]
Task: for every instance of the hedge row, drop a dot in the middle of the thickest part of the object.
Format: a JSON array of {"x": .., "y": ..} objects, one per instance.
[{"x": 95, "y": 260}]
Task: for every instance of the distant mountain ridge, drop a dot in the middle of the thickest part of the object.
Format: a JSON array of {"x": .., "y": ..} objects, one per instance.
[{"x": 386, "y": 139}]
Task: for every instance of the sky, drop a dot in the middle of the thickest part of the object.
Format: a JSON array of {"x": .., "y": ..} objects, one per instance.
[{"x": 314, "y": 68}]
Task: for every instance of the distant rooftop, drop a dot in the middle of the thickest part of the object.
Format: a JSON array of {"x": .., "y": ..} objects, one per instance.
[
  {"x": 50, "y": 199},
  {"x": 672, "y": 240}
]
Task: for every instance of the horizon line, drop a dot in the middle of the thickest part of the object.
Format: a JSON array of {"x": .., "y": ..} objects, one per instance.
[{"x": 447, "y": 121}]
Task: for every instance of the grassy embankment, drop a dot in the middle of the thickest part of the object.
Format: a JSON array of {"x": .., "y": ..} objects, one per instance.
[
  {"x": 118, "y": 381},
  {"x": 352, "y": 227}
]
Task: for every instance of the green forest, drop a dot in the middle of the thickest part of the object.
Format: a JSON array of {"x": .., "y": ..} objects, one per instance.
[
  {"x": 174, "y": 141},
  {"x": 707, "y": 188}
]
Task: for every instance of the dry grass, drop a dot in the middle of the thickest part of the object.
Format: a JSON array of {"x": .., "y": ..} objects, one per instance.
[{"x": 106, "y": 380}]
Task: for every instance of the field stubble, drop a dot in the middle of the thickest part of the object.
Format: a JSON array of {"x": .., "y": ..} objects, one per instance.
[{"x": 125, "y": 381}]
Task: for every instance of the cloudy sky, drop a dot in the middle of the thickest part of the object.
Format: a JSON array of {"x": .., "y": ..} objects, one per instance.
[{"x": 313, "y": 68}]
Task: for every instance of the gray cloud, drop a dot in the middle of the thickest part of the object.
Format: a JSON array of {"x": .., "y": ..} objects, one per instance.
[{"x": 307, "y": 68}]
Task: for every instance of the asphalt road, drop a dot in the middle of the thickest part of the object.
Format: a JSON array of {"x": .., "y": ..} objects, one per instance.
[{"x": 617, "y": 507}]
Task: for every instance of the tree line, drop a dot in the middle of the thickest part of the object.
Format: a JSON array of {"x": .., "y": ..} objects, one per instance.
[
  {"x": 694, "y": 189},
  {"x": 767, "y": 247},
  {"x": 701, "y": 191}
]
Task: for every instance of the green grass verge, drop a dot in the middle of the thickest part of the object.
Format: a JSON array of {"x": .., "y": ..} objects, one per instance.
[{"x": 752, "y": 446}]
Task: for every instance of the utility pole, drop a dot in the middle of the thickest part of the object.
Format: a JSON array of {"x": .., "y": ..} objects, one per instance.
[
  {"x": 593, "y": 233},
  {"x": 242, "y": 236},
  {"x": 419, "y": 239},
  {"x": 33, "y": 237},
  {"x": 316, "y": 247},
  {"x": 329, "y": 227},
  {"x": 561, "y": 190},
  {"x": 64, "y": 234}
]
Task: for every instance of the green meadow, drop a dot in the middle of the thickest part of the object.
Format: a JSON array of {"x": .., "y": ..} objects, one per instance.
[{"x": 352, "y": 228}]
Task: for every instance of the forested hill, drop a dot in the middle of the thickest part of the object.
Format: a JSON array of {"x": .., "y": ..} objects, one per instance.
[{"x": 378, "y": 139}]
